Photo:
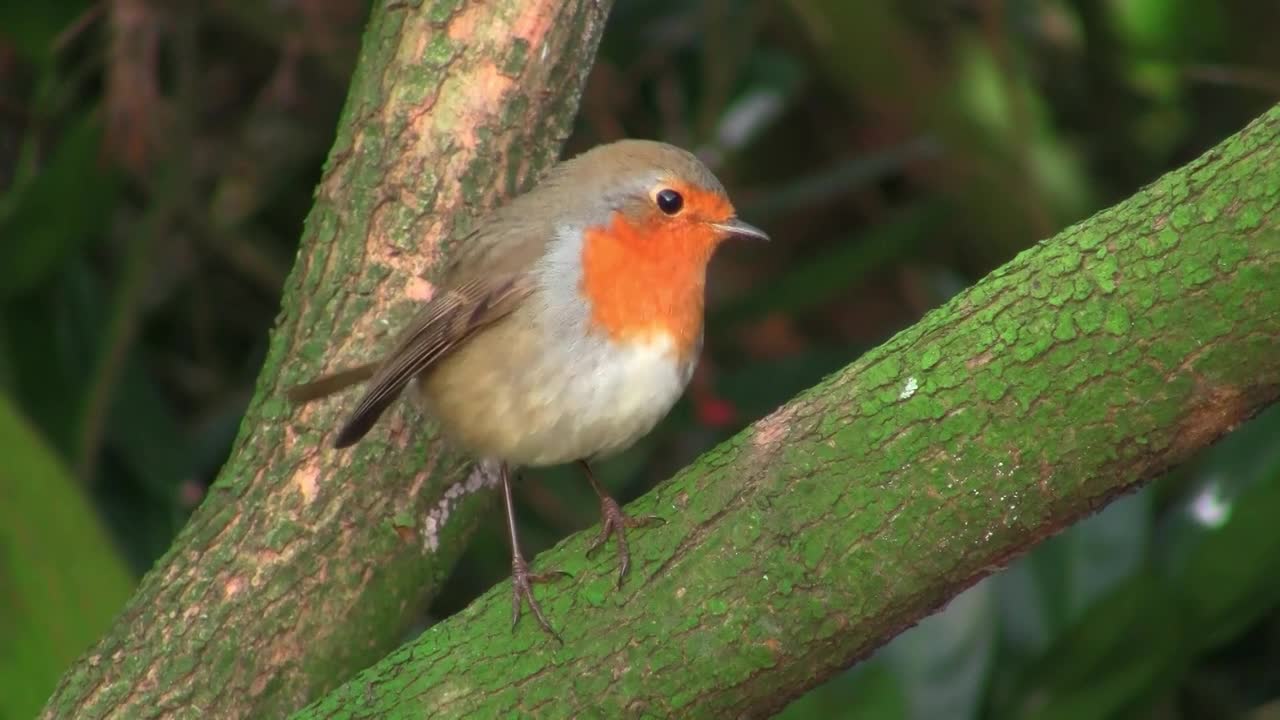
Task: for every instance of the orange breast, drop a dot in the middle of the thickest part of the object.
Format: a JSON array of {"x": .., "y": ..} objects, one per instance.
[{"x": 644, "y": 284}]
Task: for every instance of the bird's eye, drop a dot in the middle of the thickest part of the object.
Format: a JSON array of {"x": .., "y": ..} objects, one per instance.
[{"x": 669, "y": 201}]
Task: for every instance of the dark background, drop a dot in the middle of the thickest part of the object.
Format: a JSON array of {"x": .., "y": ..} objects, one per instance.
[{"x": 157, "y": 161}]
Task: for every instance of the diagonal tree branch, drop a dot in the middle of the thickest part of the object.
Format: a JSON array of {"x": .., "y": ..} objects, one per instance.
[
  {"x": 1085, "y": 367},
  {"x": 304, "y": 565}
]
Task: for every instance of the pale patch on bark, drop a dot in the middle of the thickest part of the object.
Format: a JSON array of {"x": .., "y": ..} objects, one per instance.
[
  {"x": 534, "y": 25},
  {"x": 773, "y": 429},
  {"x": 232, "y": 587},
  {"x": 979, "y": 360},
  {"x": 1217, "y": 410},
  {"x": 462, "y": 27},
  {"x": 306, "y": 479},
  {"x": 482, "y": 477},
  {"x": 487, "y": 90},
  {"x": 419, "y": 289}
]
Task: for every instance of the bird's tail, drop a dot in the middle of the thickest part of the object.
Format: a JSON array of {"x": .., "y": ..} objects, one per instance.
[{"x": 330, "y": 384}]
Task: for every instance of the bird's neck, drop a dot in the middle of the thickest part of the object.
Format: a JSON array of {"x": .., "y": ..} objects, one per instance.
[{"x": 646, "y": 287}]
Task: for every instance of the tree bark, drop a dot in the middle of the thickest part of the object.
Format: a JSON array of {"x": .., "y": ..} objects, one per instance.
[
  {"x": 304, "y": 564},
  {"x": 1088, "y": 365}
]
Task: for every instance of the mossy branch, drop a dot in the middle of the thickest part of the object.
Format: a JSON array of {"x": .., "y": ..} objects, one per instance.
[
  {"x": 304, "y": 565},
  {"x": 1088, "y": 365}
]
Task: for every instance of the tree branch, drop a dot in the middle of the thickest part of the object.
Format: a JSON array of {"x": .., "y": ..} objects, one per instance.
[
  {"x": 1085, "y": 367},
  {"x": 304, "y": 565}
]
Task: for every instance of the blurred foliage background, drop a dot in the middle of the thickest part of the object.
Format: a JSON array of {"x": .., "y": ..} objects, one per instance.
[{"x": 157, "y": 160}]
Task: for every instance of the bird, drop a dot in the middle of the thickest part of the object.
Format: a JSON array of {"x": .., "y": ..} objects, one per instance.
[{"x": 564, "y": 327}]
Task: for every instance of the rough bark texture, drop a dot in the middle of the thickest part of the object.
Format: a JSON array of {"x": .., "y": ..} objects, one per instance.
[
  {"x": 305, "y": 564},
  {"x": 1088, "y": 365}
]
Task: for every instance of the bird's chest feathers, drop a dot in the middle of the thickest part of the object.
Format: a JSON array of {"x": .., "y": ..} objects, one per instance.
[{"x": 644, "y": 287}]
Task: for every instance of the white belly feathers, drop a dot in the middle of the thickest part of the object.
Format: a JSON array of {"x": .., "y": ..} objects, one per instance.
[
  {"x": 620, "y": 394},
  {"x": 585, "y": 399}
]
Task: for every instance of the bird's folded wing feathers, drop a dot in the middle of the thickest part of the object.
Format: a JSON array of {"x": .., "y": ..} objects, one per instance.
[
  {"x": 330, "y": 384},
  {"x": 448, "y": 319}
]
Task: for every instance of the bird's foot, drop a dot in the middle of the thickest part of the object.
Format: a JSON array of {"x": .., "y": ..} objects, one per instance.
[
  {"x": 615, "y": 522},
  {"x": 522, "y": 582}
]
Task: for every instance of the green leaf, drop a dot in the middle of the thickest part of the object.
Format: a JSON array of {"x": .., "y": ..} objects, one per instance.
[
  {"x": 1225, "y": 551},
  {"x": 1106, "y": 549},
  {"x": 32, "y": 27},
  {"x": 870, "y": 691},
  {"x": 1032, "y": 600},
  {"x": 1124, "y": 649},
  {"x": 1172, "y": 29},
  {"x": 67, "y": 204},
  {"x": 943, "y": 663},
  {"x": 146, "y": 433},
  {"x": 1043, "y": 594},
  {"x": 145, "y": 438},
  {"x": 61, "y": 580},
  {"x": 48, "y": 359}
]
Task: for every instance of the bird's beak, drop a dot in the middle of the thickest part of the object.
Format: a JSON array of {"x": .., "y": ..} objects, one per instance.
[{"x": 740, "y": 229}]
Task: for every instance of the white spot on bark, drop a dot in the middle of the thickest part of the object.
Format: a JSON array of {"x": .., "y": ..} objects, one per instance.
[
  {"x": 484, "y": 475},
  {"x": 910, "y": 388}
]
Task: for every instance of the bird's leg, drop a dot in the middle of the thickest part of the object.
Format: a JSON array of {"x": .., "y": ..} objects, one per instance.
[
  {"x": 522, "y": 580},
  {"x": 615, "y": 522}
]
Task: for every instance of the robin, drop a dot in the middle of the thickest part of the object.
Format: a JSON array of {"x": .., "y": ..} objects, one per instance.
[{"x": 566, "y": 325}]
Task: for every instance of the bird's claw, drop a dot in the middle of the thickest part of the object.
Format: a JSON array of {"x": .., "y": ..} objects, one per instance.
[
  {"x": 615, "y": 523},
  {"x": 522, "y": 582}
]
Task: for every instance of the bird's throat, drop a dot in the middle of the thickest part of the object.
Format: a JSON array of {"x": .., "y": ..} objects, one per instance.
[{"x": 645, "y": 285}]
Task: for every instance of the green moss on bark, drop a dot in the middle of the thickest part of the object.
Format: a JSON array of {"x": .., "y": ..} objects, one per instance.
[{"x": 1089, "y": 364}]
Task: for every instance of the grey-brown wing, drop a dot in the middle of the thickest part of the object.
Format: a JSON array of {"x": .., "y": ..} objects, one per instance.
[{"x": 447, "y": 320}]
